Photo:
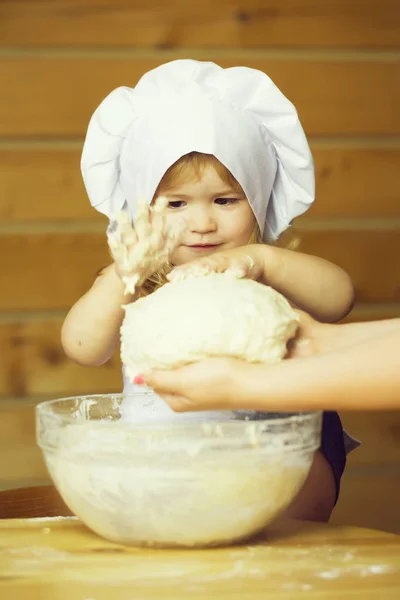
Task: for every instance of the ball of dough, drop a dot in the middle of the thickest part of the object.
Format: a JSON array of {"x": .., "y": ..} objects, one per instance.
[{"x": 201, "y": 317}]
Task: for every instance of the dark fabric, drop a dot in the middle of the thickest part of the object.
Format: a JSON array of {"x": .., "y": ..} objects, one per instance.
[{"x": 333, "y": 445}]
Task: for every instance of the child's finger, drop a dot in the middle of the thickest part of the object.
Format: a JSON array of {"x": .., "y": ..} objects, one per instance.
[
  {"x": 123, "y": 232},
  {"x": 195, "y": 270},
  {"x": 130, "y": 282},
  {"x": 129, "y": 238},
  {"x": 237, "y": 272},
  {"x": 157, "y": 239},
  {"x": 160, "y": 204},
  {"x": 158, "y": 225},
  {"x": 237, "y": 269},
  {"x": 242, "y": 267},
  {"x": 143, "y": 226},
  {"x": 248, "y": 264},
  {"x": 118, "y": 250}
]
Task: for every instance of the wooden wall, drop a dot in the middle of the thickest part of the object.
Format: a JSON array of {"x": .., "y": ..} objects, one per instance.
[{"x": 337, "y": 60}]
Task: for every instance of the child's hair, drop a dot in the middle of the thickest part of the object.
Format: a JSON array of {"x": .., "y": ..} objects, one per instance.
[
  {"x": 192, "y": 165},
  {"x": 189, "y": 166}
]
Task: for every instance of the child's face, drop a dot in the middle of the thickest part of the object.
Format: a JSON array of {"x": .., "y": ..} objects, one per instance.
[{"x": 217, "y": 218}]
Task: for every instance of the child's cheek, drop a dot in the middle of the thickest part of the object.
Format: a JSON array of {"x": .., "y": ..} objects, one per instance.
[{"x": 178, "y": 257}]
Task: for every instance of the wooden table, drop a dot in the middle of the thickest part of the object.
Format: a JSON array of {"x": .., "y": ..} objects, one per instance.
[{"x": 60, "y": 559}]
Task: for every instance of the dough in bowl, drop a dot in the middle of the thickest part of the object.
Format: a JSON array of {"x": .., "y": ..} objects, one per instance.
[{"x": 202, "y": 317}]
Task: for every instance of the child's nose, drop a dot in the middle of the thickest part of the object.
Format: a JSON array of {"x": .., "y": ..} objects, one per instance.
[{"x": 202, "y": 221}]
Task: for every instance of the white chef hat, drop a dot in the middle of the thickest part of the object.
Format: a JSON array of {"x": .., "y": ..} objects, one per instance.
[{"x": 236, "y": 114}]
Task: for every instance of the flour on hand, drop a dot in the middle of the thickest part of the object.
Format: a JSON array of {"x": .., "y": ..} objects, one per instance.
[
  {"x": 208, "y": 316},
  {"x": 140, "y": 250}
]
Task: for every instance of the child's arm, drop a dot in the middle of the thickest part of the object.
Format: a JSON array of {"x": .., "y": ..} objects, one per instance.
[
  {"x": 312, "y": 284},
  {"x": 90, "y": 332}
]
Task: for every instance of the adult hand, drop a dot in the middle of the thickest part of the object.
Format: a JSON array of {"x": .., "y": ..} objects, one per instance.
[
  {"x": 220, "y": 383},
  {"x": 207, "y": 384}
]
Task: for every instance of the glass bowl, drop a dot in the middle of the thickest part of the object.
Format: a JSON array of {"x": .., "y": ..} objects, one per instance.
[{"x": 178, "y": 483}]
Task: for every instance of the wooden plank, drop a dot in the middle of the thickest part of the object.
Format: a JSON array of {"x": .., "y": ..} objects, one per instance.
[
  {"x": 255, "y": 23},
  {"x": 42, "y": 185},
  {"x": 51, "y": 271},
  {"x": 356, "y": 182},
  {"x": 32, "y": 502},
  {"x": 34, "y": 364},
  {"x": 333, "y": 97},
  {"x": 20, "y": 457},
  {"x": 379, "y": 434},
  {"x": 369, "y": 500},
  {"x": 373, "y": 312},
  {"x": 46, "y": 184},
  {"x": 366, "y": 255}
]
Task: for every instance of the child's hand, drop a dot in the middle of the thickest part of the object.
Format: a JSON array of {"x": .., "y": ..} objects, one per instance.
[
  {"x": 141, "y": 250},
  {"x": 243, "y": 262}
]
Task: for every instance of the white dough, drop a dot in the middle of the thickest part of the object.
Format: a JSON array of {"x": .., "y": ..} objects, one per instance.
[{"x": 209, "y": 316}]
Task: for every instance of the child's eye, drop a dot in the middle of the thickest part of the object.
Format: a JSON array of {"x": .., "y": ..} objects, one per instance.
[
  {"x": 225, "y": 201},
  {"x": 176, "y": 204}
]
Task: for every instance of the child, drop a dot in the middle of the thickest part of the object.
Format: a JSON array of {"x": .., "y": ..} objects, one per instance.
[{"x": 227, "y": 150}]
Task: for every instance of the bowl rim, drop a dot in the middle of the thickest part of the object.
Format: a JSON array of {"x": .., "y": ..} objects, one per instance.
[{"x": 44, "y": 409}]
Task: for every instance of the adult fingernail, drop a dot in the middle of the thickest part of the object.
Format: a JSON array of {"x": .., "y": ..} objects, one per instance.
[{"x": 139, "y": 380}]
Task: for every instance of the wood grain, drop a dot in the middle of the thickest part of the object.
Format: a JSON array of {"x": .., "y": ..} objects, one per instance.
[
  {"x": 356, "y": 182},
  {"x": 63, "y": 559},
  {"x": 43, "y": 185},
  {"x": 379, "y": 433},
  {"x": 372, "y": 312},
  {"x": 35, "y": 364},
  {"x": 369, "y": 500},
  {"x": 20, "y": 457},
  {"x": 46, "y": 184},
  {"x": 32, "y": 502},
  {"x": 51, "y": 271},
  {"x": 251, "y": 24},
  {"x": 333, "y": 97},
  {"x": 368, "y": 256}
]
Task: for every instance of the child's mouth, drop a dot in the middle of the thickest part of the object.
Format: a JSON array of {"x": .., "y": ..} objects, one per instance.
[{"x": 200, "y": 247}]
